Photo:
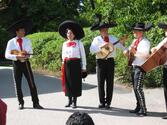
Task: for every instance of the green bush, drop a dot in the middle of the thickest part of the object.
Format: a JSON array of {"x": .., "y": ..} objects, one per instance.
[{"x": 47, "y": 50}]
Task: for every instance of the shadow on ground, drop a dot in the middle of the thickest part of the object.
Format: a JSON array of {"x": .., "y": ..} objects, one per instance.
[
  {"x": 45, "y": 84},
  {"x": 114, "y": 111}
]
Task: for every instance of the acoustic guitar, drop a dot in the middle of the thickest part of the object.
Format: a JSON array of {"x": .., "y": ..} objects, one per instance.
[
  {"x": 109, "y": 48},
  {"x": 17, "y": 52},
  {"x": 131, "y": 57},
  {"x": 156, "y": 59},
  {"x": 21, "y": 53}
]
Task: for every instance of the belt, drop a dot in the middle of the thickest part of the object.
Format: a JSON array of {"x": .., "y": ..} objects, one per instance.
[
  {"x": 106, "y": 58},
  {"x": 67, "y": 59}
]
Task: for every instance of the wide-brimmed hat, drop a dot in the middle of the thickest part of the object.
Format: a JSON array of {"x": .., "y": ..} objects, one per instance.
[
  {"x": 101, "y": 25},
  {"x": 24, "y": 23},
  {"x": 74, "y": 26},
  {"x": 142, "y": 26},
  {"x": 162, "y": 25}
]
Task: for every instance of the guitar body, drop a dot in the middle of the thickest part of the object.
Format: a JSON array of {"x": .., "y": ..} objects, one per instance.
[
  {"x": 130, "y": 59},
  {"x": 156, "y": 59},
  {"x": 17, "y": 52},
  {"x": 106, "y": 50}
]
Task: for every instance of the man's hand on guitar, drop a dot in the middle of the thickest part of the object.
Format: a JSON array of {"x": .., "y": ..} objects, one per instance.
[
  {"x": 153, "y": 50},
  {"x": 22, "y": 57},
  {"x": 104, "y": 45},
  {"x": 123, "y": 39},
  {"x": 126, "y": 53},
  {"x": 132, "y": 50}
]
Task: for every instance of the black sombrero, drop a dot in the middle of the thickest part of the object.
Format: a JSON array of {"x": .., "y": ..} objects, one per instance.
[
  {"x": 142, "y": 26},
  {"x": 162, "y": 25},
  {"x": 101, "y": 25},
  {"x": 24, "y": 23},
  {"x": 74, "y": 26}
]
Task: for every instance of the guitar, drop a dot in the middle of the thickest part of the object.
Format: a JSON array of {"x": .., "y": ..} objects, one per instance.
[
  {"x": 130, "y": 58},
  {"x": 159, "y": 57},
  {"x": 22, "y": 53},
  {"x": 109, "y": 48}
]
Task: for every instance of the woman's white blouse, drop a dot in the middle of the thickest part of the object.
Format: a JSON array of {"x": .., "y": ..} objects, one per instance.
[
  {"x": 13, "y": 45},
  {"x": 74, "y": 50}
]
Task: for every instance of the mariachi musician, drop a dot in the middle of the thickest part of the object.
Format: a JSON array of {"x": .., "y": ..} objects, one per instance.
[
  {"x": 104, "y": 48},
  {"x": 73, "y": 60},
  {"x": 19, "y": 50},
  {"x": 163, "y": 43},
  {"x": 139, "y": 51}
]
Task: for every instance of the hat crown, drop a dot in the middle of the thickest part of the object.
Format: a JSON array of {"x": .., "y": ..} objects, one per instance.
[{"x": 139, "y": 26}]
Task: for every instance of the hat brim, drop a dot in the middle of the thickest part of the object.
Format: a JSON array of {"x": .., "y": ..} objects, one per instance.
[
  {"x": 101, "y": 26},
  {"x": 146, "y": 28},
  {"x": 162, "y": 25},
  {"x": 24, "y": 23},
  {"x": 74, "y": 26}
]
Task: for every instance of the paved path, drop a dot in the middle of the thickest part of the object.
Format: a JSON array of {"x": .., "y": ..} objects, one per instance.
[{"x": 53, "y": 99}]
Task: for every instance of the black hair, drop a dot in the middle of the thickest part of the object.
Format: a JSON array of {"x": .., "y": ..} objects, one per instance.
[
  {"x": 72, "y": 32},
  {"x": 79, "y": 118},
  {"x": 19, "y": 27}
]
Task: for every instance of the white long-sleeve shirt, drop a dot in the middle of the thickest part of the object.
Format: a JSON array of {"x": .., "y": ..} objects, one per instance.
[
  {"x": 75, "y": 50},
  {"x": 142, "y": 52},
  {"x": 13, "y": 45},
  {"x": 163, "y": 42},
  {"x": 98, "y": 42}
]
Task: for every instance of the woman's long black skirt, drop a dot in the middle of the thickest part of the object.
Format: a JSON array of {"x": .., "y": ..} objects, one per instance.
[{"x": 73, "y": 79}]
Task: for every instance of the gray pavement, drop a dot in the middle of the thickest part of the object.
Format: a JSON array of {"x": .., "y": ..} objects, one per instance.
[{"x": 53, "y": 99}]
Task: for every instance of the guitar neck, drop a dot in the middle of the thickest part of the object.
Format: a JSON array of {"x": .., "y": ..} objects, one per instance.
[{"x": 116, "y": 42}]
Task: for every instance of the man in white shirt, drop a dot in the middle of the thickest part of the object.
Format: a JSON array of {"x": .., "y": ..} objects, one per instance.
[
  {"x": 105, "y": 65},
  {"x": 19, "y": 50},
  {"x": 140, "y": 51},
  {"x": 163, "y": 43}
]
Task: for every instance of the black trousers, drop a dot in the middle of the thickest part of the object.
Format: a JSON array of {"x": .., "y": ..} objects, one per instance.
[
  {"x": 105, "y": 72},
  {"x": 165, "y": 83},
  {"x": 137, "y": 80},
  {"x": 19, "y": 69}
]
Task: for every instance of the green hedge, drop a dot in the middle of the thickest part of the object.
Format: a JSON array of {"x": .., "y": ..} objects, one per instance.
[{"x": 47, "y": 49}]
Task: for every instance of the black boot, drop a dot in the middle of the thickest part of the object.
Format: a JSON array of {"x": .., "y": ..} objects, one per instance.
[
  {"x": 165, "y": 117},
  {"x": 69, "y": 102},
  {"x": 143, "y": 110},
  {"x": 137, "y": 109},
  {"x": 37, "y": 106},
  {"x": 142, "y": 113},
  {"x": 74, "y": 105},
  {"x": 21, "y": 105}
]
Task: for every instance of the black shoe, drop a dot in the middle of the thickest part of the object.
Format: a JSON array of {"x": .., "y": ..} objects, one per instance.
[
  {"x": 107, "y": 106},
  {"x": 37, "y": 106},
  {"x": 69, "y": 102},
  {"x": 68, "y": 105},
  {"x": 136, "y": 110},
  {"x": 101, "y": 106},
  {"x": 74, "y": 105},
  {"x": 165, "y": 117},
  {"x": 141, "y": 113},
  {"x": 21, "y": 106}
]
